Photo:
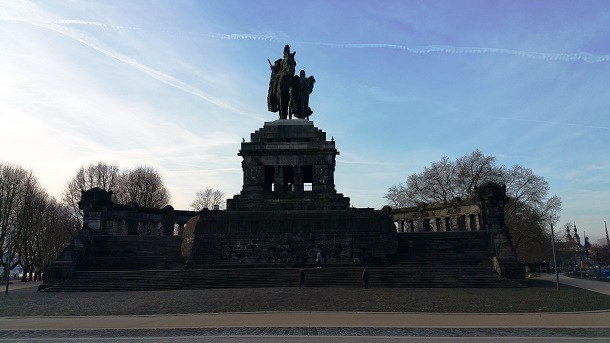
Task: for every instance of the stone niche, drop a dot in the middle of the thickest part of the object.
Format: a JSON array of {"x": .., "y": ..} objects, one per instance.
[{"x": 289, "y": 209}]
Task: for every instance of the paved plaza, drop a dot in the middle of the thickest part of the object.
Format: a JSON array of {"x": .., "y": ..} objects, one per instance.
[{"x": 580, "y": 326}]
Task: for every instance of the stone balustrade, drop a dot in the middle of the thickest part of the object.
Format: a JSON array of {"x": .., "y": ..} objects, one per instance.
[{"x": 102, "y": 216}]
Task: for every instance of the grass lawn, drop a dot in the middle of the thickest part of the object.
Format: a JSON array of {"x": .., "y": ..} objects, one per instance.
[{"x": 540, "y": 297}]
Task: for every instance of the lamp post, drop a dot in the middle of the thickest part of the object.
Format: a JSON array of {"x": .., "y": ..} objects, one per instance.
[
  {"x": 554, "y": 256},
  {"x": 599, "y": 266},
  {"x": 8, "y": 257}
]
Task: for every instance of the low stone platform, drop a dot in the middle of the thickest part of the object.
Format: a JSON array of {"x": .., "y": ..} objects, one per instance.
[
  {"x": 351, "y": 236},
  {"x": 438, "y": 260},
  {"x": 344, "y": 277}
]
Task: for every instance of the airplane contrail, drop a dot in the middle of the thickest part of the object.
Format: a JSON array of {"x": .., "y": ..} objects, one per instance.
[
  {"x": 448, "y": 49},
  {"x": 598, "y": 127},
  {"x": 158, "y": 75},
  {"x": 417, "y": 49}
]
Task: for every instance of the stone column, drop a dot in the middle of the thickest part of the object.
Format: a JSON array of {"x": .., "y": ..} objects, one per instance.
[
  {"x": 320, "y": 177},
  {"x": 298, "y": 179},
  {"x": 122, "y": 227},
  {"x": 133, "y": 223},
  {"x": 95, "y": 204},
  {"x": 419, "y": 227},
  {"x": 279, "y": 179},
  {"x": 168, "y": 221}
]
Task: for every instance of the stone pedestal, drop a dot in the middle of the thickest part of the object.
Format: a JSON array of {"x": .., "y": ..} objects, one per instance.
[
  {"x": 492, "y": 199},
  {"x": 288, "y": 208},
  {"x": 353, "y": 236},
  {"x": 288, "y": 165}
]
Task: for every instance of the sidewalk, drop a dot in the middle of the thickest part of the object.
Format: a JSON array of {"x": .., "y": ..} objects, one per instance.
[
  {"x": 314, "y": 319},
  {"x": 591, "y": 285},
  {"x": 14, "y": 285},
  {"x": 591, "y": 319}
]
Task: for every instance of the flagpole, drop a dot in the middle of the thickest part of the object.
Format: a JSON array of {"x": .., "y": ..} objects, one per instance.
[{"x": 554, "y": 256}]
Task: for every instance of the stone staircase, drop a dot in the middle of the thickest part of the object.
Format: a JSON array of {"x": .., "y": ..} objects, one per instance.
[{"x": 438, "y": 260}]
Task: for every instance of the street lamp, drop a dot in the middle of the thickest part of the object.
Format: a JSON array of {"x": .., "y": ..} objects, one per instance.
[
  {"x": 599, "y": 266},
  {"x": 554, "y": 256},
  {"x": 8, "y": 257}
]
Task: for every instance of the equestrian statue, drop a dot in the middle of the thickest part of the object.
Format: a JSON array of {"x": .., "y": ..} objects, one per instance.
[{"x": 289, "y": 94}]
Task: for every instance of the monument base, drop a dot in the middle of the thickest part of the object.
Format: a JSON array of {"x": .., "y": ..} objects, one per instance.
[{"x": 352, "y": 237}]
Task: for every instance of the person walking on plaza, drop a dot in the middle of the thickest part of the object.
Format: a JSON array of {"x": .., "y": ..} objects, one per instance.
[
  {"x": 319, "y": 259},
  {"x": 365, "y": 278},
  {"x": 301, "y": 279}
]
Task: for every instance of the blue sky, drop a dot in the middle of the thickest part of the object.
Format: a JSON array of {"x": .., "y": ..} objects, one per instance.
[{"x": 176, "y": 85}]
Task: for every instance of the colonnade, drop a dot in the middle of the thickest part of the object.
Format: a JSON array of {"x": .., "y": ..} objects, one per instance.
[
  {"x": 410, "y": 222},
  {"x": 120, "y": 227}
]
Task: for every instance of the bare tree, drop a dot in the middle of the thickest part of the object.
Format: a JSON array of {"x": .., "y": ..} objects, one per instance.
[
  {"x": 445, "y": 180},
  {"x": 397, "y": 196},
  {"x": 100, "y": 174},
  {"x": 474, "y": 169},
  {"x": 12, "y": 180},
  {"x": 29, "y": 222},
  {"x": 207, "y": 199},
  {"x": 43, "y": 227},
  {"x": 57, "y": 230},
  {"x": 144, "y": 186},
  {"x": 530, "y": 211}
]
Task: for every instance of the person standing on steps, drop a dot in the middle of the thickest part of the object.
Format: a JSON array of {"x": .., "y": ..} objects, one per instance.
[
  {"x": 365, "y": 278},
  {"x": 301, "y": 279},
  {"x": 319, "y": 259}
]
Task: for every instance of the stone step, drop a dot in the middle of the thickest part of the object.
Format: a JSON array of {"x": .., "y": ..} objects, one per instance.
[
  {"x": 275, "y": 277},
  {"x": 438, "y": 259}
]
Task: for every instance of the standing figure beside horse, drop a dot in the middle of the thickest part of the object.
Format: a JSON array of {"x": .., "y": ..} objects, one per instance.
[
  {"x": 302, "y": 86},
  {"x": 289, "y": 94}
]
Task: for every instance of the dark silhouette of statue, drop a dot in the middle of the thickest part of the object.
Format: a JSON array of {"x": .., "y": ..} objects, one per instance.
[
  {"x": 299, "y": 96},
  {"x": 289, "y": 94},
  {"x": 272, "y": 101}
]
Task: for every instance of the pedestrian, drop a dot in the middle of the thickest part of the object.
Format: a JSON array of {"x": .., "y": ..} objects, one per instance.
[
  {"x": 411, "y": 246},
  {"x": 319, "y": 259},
  {"x": 301, "y": 279},
  {"x": 365, "y": 278}
]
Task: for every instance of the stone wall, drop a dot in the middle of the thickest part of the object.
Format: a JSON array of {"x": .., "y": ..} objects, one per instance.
[
  {"x": 102, "y": 216},
  {"x": 355, "y": 236},
  {"x": 485, "y": 212}
]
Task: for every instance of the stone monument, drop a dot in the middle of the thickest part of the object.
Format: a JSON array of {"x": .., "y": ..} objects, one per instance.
[
  {"x": 289, "y": 94},
  {"x": 288, "y": 209}
]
